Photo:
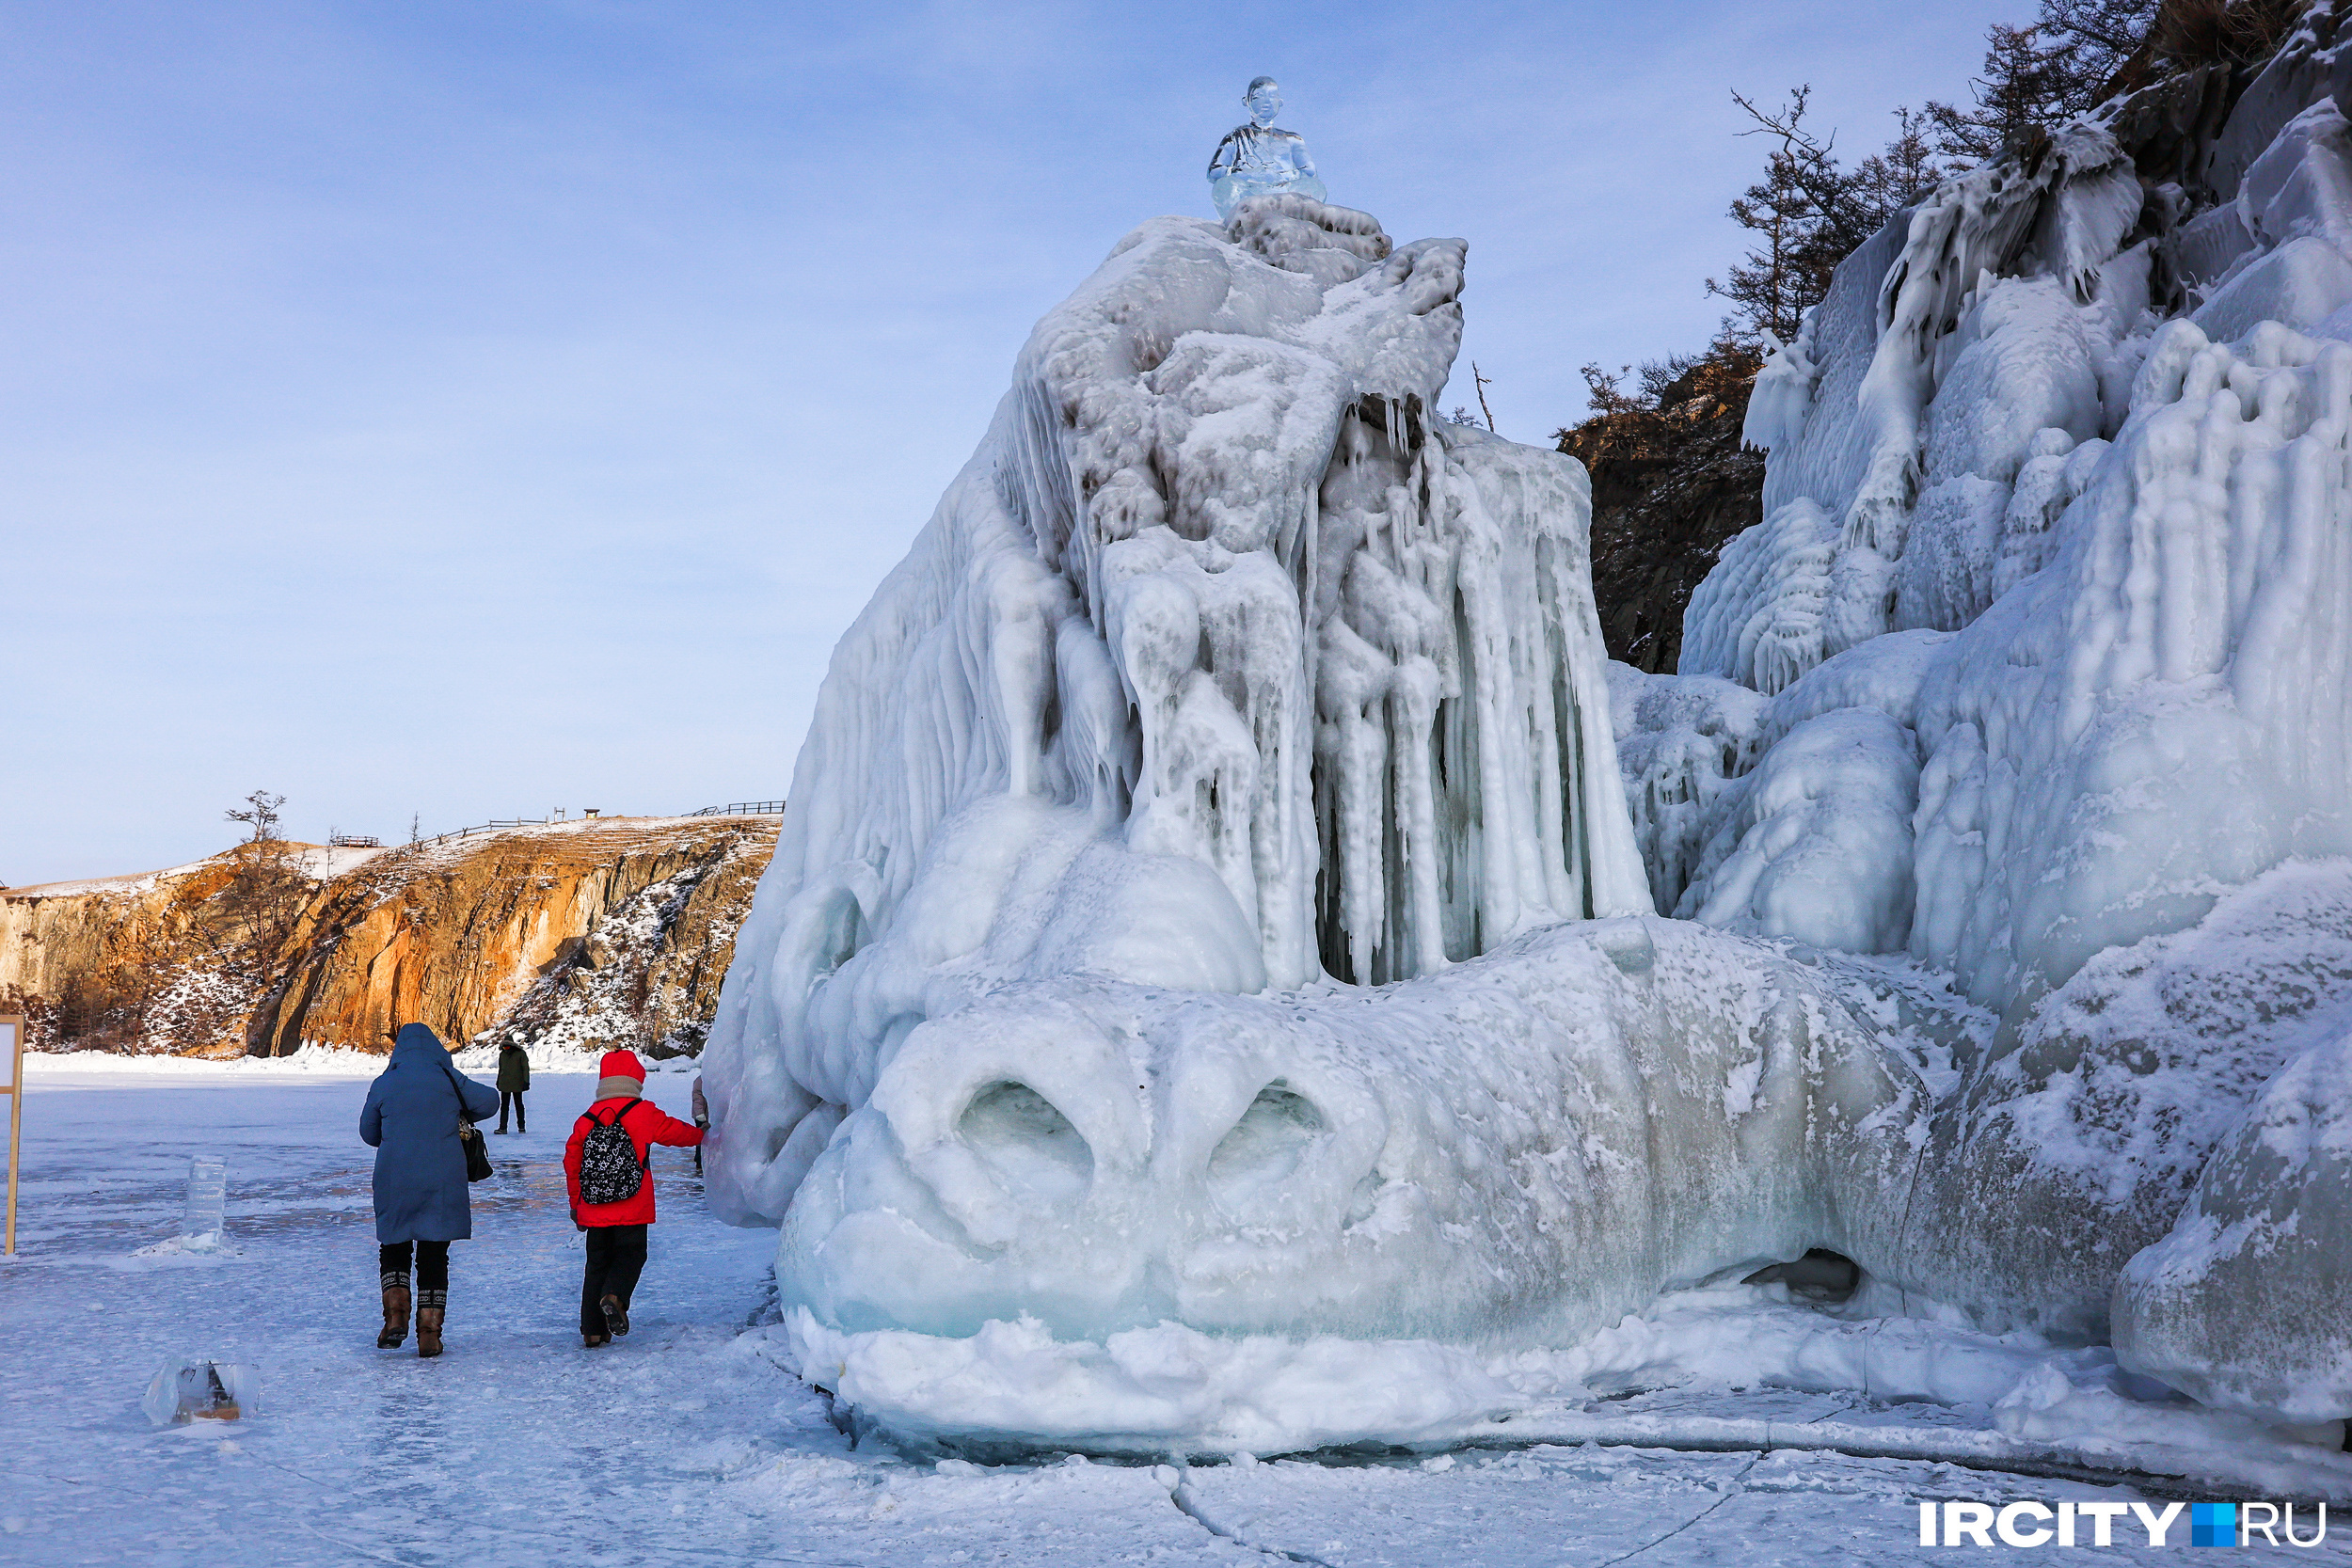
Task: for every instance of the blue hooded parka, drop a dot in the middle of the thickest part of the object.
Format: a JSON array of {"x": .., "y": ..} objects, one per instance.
[{"x": 410, "y": 1121}]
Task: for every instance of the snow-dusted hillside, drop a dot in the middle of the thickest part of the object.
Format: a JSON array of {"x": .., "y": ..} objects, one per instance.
[{"x": 566, "y": 937}]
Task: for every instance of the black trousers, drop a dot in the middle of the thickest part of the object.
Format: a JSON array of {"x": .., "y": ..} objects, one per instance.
[
  {"x": 517, "y": 1097},
  {"x": 391, "y": 1262},
  {"x": 616, "y": 1256}
]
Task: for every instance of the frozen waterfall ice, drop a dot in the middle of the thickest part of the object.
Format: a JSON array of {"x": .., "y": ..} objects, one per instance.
[
  {"x": 1224, "y": 664},
  {"x": 2055, "y": 540},
  {"x": 1989, "y": 429}
]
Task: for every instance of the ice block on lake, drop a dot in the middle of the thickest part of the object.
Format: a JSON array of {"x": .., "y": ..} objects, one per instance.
[
  {"x": 208, "y": 1193},
  {"x": 202, "y": 1390}
]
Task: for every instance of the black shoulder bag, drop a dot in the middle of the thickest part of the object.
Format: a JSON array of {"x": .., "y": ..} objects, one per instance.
[{"x": 469, "y": 1136}]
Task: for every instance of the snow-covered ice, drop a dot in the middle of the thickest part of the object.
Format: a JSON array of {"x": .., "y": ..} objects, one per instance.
[{"x": 689, "y": 1444}]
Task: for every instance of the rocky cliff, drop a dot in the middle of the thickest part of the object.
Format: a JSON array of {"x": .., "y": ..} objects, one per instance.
[
  {"x": 592, "y": 934},
  {"x": 1672, "y": 484}
]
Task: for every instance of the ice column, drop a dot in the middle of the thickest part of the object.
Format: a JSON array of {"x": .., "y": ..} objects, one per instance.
[
  {"x": 208, "y": 1192},
  {"x": 2164, "y": 712}
]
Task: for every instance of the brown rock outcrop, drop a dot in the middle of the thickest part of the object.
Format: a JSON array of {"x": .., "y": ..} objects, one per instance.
[
  {"x": 147, "y": 962},
  {"x": 603, "y": 933},
  {"x": 1672, "y": 484}
]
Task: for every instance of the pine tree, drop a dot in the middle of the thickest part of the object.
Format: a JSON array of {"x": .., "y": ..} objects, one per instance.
[
  {"x": 2040, "y": 76},
  {"x": 2102, "y": 33},
  {"x": 1908, "y": 167},
  {"x": 2021, "y": 89},
  {"x": 1809, "y": 213}
]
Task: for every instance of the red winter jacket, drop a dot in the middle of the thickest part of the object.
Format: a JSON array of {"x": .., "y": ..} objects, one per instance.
[{"x": 647, "y": 1124}]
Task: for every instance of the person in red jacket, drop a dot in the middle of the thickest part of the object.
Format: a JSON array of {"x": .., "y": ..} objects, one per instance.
[{"x": 616, "y": 1228}]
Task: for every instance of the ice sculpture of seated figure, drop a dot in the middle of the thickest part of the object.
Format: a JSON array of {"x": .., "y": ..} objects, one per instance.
[{"x": 1260, "y": 158}]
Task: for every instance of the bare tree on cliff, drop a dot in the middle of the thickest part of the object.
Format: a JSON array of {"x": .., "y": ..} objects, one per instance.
[
  {"x": 266, "y": 894},
  {"x": 241, "y": 933}
]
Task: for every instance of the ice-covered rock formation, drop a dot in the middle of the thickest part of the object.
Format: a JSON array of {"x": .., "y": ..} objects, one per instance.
[
  {"x": 1185, "y": 911},
  {"x": 2101, "y": 436},
  {"x": 1913, "y": 399},
  {"x": 1474, "y": 1157},
  {"x": 1223, "y": 664},
  {"x": 2093, "y": 1123},
  {"x": 2242, "y": 1304},
  {"x": 2052, "y": 597}
]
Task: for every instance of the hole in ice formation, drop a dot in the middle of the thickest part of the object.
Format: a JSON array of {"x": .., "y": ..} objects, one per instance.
[
  {"x": 1030, "y": 1145},
  {"x": 1819, "y": 1276},
  {"x": 1267, "y": 1145},
  {"x": 841, "y": 930}
]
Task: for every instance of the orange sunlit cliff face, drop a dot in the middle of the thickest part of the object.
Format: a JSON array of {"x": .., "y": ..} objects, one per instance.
[{"x": 602, "y": 934}]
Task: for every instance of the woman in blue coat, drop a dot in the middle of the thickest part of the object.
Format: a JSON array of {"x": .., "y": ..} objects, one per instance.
[{"x": 410, "y": 1121}]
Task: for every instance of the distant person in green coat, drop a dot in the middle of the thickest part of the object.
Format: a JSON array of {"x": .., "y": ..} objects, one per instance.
[{"x": 514, "y": 1077}]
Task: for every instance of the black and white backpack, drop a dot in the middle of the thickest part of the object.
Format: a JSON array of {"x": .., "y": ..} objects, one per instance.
[{"x": 610, "y": 1170}]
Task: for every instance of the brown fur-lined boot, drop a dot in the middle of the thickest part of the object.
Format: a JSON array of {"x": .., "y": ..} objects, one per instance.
[
  {"x": 433, "y": 1305},
  {"x": 395, "y": 1314}
]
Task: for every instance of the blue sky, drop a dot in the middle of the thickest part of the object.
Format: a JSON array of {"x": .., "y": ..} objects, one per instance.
[{"x": 463, "y": 410}]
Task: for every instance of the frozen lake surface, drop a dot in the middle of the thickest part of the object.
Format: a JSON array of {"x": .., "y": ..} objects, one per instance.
[{"x": 686, "y": 1442}]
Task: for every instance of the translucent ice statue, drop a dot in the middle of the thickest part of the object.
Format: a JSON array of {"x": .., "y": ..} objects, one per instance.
[
  {"x": 1260, "y": 158},
  {"x": 201, "y": 1222}
]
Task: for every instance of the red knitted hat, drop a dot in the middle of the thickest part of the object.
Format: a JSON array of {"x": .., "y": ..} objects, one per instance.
[{"x": 621, "y": 1064}]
